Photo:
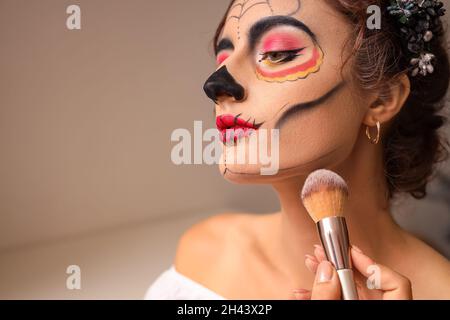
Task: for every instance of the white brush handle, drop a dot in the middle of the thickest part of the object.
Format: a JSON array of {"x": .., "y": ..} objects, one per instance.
[
  {"x": 334, "y": 236},
  {"x": 347, "y": 284}
]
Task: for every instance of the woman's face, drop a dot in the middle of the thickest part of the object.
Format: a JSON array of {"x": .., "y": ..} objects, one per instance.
[{"x": 279, "y": 70}]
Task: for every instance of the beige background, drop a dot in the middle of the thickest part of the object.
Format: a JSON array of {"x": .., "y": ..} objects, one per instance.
[{"x": 85, "y": 124}]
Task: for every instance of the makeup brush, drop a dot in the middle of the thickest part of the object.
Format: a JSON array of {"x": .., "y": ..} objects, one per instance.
[{"x": 324, "y": 196}]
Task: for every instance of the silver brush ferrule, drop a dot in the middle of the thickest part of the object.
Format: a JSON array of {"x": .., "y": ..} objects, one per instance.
[{"x": 334, "y": 237}]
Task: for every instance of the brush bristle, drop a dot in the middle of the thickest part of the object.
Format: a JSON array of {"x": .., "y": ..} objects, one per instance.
[{"x": 324, "y": 194}]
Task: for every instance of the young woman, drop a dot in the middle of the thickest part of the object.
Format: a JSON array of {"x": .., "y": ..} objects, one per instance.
[{"x": 348, "y": 95}]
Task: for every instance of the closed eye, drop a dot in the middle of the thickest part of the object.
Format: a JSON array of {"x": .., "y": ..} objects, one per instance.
[{"x": 279, "y": 57}]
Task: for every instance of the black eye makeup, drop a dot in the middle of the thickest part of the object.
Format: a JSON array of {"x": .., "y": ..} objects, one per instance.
[
  {"x": 224, "y": 44},
  {"x": 285, "y": 49},
  {"x": 278, "y": 57}
]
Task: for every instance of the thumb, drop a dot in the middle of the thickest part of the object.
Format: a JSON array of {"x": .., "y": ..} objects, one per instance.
[{"x": 326, "y": 284}]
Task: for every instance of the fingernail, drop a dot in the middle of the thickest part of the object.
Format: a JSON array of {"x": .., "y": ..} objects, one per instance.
[
  {"x": 310, "y": 257},
  {"x": 324, "y": 272},
  {"x": 310, "y": 264},
  {"x": 357, "y": 249},
  {"x": 319, "y": 247}
]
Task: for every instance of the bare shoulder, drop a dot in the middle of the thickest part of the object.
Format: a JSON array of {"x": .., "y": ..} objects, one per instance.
[
  {"x": 206, "y": 245},
  {"x": 429, "y": 270}
]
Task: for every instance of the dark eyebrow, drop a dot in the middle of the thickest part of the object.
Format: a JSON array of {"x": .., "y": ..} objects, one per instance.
[
  {"x": 223, "y": 44},
  {"x": 267, "y": 23}
]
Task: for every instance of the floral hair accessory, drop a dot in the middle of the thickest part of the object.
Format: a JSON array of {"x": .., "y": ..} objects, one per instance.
[{"x": 420, "y": 23}]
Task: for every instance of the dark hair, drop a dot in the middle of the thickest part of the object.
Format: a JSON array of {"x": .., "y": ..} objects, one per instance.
[{"x": 413, "y": 144}]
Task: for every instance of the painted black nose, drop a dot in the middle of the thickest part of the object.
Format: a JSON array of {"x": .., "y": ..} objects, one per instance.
[{"x": 222, "y": 82}]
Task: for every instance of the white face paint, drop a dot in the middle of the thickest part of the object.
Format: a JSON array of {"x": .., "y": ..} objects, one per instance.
[{"x": 279, "y": 66}]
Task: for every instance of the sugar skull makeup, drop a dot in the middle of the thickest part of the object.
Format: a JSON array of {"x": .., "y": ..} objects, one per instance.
[
  {"x": 278, "y": 65},
  {"x": 288, "y": 50}
]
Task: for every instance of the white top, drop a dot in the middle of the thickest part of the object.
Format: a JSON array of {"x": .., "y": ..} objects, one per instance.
[{"x": 171, "y": 285}]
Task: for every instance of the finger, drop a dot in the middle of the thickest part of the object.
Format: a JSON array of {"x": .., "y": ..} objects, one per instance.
[
  {"x": 302, "y": 294},
  {"x": 326, "y": 284},
  {"x": 311, "y": 263},
  {"x": 319, "y": 252},
  {"x": 394, "y": 285}
]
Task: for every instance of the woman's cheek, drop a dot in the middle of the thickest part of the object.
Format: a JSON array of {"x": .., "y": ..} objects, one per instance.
[{"x": 325, "y": 134}]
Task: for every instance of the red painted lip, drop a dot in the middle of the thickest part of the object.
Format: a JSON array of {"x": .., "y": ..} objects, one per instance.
[{"x": 234, "y": 128}]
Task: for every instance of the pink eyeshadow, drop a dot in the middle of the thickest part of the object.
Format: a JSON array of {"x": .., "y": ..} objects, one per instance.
[
  {"x": 221, "y": 57},
  {"x": 281, "y": 42},
  {"x": 300, "y": 68}
]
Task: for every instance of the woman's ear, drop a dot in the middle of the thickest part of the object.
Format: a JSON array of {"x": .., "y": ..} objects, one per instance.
[{"x": 389, "y": 102}]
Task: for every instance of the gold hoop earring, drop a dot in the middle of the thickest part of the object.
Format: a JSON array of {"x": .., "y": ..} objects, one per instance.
[{"x": 377, "y": 138}]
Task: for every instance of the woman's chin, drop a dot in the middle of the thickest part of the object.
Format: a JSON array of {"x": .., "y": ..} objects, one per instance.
[
  {"x": 244, "y": 174},
  {"x": 266, "y": 174},
  {"x": 255, "y": 174},
  {"x": 239, "y": 173}
]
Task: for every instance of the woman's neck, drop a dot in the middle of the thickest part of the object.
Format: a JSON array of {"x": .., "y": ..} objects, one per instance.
[{"x": 369, "y": 222}]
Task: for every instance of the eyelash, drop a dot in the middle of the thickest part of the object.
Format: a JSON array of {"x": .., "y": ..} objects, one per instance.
[{"x": 291, "y": 55}]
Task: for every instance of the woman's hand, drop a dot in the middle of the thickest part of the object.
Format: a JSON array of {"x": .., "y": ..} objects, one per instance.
[{"x": 373, "y": 281}]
